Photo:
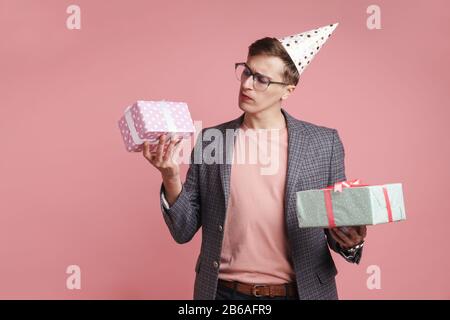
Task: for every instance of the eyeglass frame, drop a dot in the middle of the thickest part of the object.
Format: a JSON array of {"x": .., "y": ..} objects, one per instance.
[{"x": 253, "y": 74}]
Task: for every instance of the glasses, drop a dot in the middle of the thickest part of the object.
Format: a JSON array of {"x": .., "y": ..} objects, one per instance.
[{"x": 260, "y": 81}]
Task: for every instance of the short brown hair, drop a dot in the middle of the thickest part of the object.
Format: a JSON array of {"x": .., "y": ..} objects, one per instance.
[{"x": 273, "y": 47}]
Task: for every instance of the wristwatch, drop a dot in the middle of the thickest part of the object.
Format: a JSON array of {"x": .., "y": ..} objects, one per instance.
[{"x": 352, "y": 253}]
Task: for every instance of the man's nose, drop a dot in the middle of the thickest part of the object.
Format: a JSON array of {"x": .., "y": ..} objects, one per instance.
[{"x": 248, "y": 83}]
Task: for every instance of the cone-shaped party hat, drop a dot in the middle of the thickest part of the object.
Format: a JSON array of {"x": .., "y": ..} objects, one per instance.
[{"x": 303, "y": 47}]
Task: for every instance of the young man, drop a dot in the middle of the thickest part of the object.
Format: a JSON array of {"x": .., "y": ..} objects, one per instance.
[{"x": 252, "y": 246}]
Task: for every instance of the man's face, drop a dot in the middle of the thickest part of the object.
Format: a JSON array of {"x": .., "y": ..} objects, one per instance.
[{"x": 272, "y": 67}]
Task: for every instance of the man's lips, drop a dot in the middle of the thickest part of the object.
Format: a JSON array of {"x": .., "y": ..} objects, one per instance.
[{"x": 245, "y": 96}]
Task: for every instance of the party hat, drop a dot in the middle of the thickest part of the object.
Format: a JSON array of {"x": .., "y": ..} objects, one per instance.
[{"x": 303, "y": 47}]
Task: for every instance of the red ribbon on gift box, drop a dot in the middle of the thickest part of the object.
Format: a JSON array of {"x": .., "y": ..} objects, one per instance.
[{"x": 337, "y": 187}]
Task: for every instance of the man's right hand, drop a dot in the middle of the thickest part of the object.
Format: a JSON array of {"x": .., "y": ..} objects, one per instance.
[{"x": 163, "y": 158}]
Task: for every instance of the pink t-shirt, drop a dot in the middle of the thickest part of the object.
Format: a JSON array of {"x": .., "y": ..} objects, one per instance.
[{"x": 255, "y": 246}]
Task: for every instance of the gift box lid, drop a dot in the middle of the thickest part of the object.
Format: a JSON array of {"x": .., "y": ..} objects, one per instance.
[{"x": 161, "y": 116}]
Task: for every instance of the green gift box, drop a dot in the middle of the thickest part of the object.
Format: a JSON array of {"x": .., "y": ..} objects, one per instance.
[{"x": 354, "y": 205}]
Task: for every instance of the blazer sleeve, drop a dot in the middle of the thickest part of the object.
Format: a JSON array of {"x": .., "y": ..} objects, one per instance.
[
  {"x": 337, "y": 173},
  {"x": 183, "y": 217}
]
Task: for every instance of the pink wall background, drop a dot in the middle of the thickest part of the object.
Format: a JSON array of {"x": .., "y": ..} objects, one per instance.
[{"x": 71, "y": 194}]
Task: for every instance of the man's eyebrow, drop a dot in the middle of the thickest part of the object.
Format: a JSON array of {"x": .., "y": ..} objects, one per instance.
[{"x": 270, "y": 78}]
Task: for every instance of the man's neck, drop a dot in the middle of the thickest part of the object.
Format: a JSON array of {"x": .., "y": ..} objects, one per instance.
[{"x": 266, "y": 119}]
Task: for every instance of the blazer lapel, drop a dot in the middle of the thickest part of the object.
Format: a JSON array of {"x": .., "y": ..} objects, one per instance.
[
  {"x": 298, "y": 144},
  {"x": 227, "y": 156},
  {"x": 298, "y": 140}
]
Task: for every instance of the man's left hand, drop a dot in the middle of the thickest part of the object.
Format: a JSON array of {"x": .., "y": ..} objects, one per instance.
[{"x": 348, "y": 237}]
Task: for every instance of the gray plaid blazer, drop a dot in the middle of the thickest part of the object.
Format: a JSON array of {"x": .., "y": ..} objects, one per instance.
[{"x": 315, "y": 160}]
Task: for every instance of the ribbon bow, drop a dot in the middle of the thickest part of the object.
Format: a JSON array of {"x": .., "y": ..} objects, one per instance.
[{"x": 337, "y": 187}]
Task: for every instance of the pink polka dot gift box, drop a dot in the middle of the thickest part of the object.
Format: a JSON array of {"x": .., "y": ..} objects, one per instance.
[{"x": 148, "y": 120}]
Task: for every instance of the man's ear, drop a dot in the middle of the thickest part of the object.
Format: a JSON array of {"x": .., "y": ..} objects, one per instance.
[{"x": 289, "y": 89}]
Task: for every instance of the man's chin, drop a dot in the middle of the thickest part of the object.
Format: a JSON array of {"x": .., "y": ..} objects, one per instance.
[{"x": 247, "y": 107}]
